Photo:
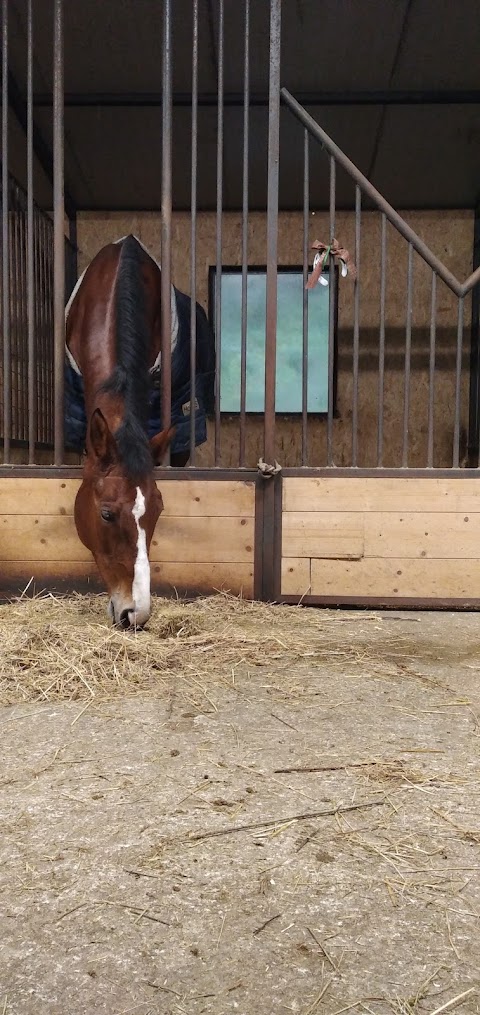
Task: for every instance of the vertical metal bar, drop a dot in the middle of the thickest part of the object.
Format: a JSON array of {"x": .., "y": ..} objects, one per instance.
[
  {"x": 193, "y": 238},
  {"x": 306, "y": 209},
  {"x": 356, "y": 326},
  {"x": 381, "y": 341},
  {"x": 166, "y": 228},
  {"x": 49, "y": 312},
  {"x": 408, "y": 354},
  {"x": 331, "y": 319},
  {"x": 15, "y": 312},
  {"x": 218, "y": 268},
  {"x": 474, "y": 393},
  {"x": 7, "y": 389},
  {"x": 30, "y": 283},
  {"x": 272, "y": 230},
  {"x": 59, "y": 230},
  {"x": 12, "y": 280},
  {"x": 458, "y": 382},
  {"x": 431, "y": 371},
  {"x": 243, "y": 339},
  {"x": 23, "y": 325},
  {"x": 44, "y": 361},
  {"x": 272, "y": 489},
  {"x": 43, "y": 399}
]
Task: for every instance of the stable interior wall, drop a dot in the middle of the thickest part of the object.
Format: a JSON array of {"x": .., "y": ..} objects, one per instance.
[{"x": 450, "y": 237}]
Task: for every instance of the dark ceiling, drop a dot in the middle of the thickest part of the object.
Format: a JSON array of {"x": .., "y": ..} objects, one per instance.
[{"x": 349, "y": 60}]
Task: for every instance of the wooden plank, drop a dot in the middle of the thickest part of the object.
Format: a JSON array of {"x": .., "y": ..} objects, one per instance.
[
  {"x": 40, "y": 537},
  {"x": 182, "y": 497},
  {"x": 295, "y": 576},
  {"x": 37, "y": 496},
  {"x": 377, "y": 494},
  {"x": 203, "y": 540},
  {"x": 39, "y": 569},
  {"x": 444, "y": 536},
  {"x": 323, "y": 534},
  {"x": 216, "y": 499},
  {"x": 424, "y": 578},
  {"x": 52, "y": 537},
  {"x": 166, "y": 578},
  {"x": 207, "y": 578}
]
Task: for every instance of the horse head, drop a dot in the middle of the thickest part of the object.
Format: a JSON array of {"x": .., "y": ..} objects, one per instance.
[{"x": 116, "y": 511}]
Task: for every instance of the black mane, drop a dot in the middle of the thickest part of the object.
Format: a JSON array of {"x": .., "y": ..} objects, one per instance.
[{"x": 131, "y": 378}]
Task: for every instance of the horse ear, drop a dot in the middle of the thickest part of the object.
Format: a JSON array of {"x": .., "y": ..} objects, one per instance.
[
  {"x": 159, "y": 444},
  {"x": 102, "y": 440}
]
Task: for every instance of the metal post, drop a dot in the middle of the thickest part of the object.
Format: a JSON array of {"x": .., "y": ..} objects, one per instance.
[
  {"x": 59, "y": 231},
  {"x": 218, "y": 258},
  {"x": 272, "y": 230},
  {"x": 306, "y": 210},
  {"x": 271, "y": 521},
  {"x": 431, "y": 371},
  {"x": 243, "y": 339},
  {"x": 166, "y": 228},
  {"x": 356, "y": 326},
  {"x": 474, "y": 399},
  {"x": 7, "y": 388},
  {"x": 331, "y": 315},
  {"x": 193, "y": 237},
  {"x": 381, "y": 343},
  {"x": 408, "y": 356},
  {"x": 32, "y": 415}
]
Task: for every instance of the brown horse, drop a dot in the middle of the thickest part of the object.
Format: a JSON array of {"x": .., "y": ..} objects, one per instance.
[{"x": 113, "y": 337}]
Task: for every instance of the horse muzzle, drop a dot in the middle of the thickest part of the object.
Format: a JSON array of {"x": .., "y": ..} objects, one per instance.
[{"x": 126, "y": 615}]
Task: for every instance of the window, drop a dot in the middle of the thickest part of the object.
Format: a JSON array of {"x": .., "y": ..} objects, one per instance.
[{"x": 289, "y": 340}]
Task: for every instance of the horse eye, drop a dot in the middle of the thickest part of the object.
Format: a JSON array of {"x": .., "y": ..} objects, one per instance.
[{"x": 107, "y": 515}]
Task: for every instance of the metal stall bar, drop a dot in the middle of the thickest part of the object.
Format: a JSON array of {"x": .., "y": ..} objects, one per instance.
[
  {"x": 306, "y": 210},
  {"x": 331, "y": 319},
  {"x": 474, "y": 395},
  {"x": 49, "y": 309},
  {"x": 408, "y": 356},
  {"x": 431, "y": 371},
  {"x": 166, "y": 227},
  {"x": 41, "y": 286},
  {"x": 356, "y": 326},
  {"x": 272, "y": 231},
  {"x": 193, "y": 236},
  {"x": 243, "y": 337},
  {"x": 32, "y": 408},
  {"x": 218, "y": 256},
  {"x": 7, "y": 388},
  {"x": 16, "y": 314},
  {"x": 271, "y": 550},
  {"x": 59, "y": 230},
  {"x": 381, "y": 341},
  {"x": 458, "y": 382}
]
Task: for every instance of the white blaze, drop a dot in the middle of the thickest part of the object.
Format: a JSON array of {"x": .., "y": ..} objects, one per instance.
[{"x": 141, "y": 574}]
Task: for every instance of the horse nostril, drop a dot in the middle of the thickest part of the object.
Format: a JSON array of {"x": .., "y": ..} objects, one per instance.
[{"x": 124, "y": 620}]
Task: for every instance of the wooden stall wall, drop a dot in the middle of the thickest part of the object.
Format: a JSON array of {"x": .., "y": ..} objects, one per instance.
[
  {"x": 391, "y": 540},
  {"x": 204, "y": 539},
  {"x": 450, "y": 236}
]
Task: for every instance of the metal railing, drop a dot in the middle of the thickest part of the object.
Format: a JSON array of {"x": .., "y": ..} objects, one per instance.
[{"x": 439, "y": 272}]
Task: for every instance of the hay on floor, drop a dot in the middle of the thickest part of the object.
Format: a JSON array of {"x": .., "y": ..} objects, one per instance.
[{"x": 63, "y": 648}]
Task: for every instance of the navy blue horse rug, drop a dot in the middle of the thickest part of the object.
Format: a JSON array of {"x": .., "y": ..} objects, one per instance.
[{"x": 75, "y": 417}]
